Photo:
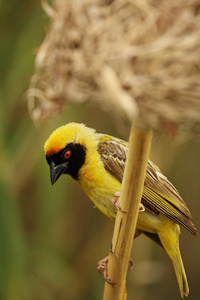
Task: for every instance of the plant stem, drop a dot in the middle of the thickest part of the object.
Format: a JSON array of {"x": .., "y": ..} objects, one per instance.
[{"x": 125, "y": 224}]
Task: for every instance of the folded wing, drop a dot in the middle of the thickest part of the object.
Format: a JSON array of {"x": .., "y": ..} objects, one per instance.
[{"x": 159, "y": 195}]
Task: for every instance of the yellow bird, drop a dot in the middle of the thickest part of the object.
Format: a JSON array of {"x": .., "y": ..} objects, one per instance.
[{"x": 97, "y": 161}]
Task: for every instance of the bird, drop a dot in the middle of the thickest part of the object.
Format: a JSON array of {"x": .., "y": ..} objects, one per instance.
[{"x": 96, "y": 162}]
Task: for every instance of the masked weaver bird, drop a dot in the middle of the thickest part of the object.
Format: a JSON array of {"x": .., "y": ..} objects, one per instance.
[{"x": 96, "y": 162}]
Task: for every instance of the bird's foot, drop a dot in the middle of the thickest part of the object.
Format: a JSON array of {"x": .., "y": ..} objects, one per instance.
[
  {"x": 141, "y": 207},
  {"x": 103, "y": 269},
  {"x": 115, "y": 202},
  {"x": 131, "y": 264}
]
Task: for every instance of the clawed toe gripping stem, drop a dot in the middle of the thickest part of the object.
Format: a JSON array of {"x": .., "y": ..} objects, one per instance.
[
  {"x": 115, "y": 202},
  {"x": 103, "y": 268}
]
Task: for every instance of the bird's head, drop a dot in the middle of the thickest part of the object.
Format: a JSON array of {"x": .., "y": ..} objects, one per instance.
[{"x": 66, "y": 149}]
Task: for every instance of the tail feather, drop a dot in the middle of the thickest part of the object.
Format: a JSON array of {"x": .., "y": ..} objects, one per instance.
[
  {"x": 180, "y": 275},
  {"x": 169, "y": 238}
]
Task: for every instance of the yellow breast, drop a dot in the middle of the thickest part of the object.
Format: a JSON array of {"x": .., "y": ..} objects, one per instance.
[{"x": 98, "y": 184}]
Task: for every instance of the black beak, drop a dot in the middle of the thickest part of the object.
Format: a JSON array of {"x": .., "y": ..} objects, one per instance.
[{"x": 57, "y": 171}]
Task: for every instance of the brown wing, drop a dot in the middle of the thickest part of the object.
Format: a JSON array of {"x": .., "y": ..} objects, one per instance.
[
  {"x": 163, "y": 196},
  {"x": 159, "y": 195},
  {"x": 113, "y": 154}
]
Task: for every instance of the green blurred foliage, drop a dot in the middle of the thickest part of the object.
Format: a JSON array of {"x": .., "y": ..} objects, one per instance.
[{"x": 51, "y": 238}]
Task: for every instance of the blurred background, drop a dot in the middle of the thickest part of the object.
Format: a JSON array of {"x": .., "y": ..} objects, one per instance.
[{"x": 51, "y": 238}]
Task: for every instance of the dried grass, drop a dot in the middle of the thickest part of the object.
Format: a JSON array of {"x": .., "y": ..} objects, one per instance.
[{"x": 138, "y": 59}]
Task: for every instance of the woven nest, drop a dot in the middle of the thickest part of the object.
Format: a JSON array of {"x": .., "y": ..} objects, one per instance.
[{"x": 139, "y": 59}]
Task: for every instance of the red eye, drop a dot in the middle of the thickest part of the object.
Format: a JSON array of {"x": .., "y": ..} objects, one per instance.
[{"x": 67, "y": 154}]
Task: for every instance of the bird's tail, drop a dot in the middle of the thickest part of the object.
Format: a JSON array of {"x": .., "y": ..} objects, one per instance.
[
  {"x": 170, "y": 241},
  {"x": 180, "y": 274}
]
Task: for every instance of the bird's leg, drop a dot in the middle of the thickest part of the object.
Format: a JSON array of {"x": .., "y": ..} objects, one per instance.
[
  {"x": 115, "y": 202},
  {"x": 103, "y": 263},
  {"x": 103, "y": 269}
]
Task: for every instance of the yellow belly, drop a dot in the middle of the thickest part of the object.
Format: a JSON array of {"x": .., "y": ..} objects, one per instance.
[{"x": 103, "y": 191}]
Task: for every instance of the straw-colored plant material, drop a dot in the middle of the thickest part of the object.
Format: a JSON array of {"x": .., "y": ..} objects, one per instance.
[
  {"x": 125, "y": 223},
  {"x": 138, "y": 58}
]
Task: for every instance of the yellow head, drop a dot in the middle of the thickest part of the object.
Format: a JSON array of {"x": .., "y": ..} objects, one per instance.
[
  {"x": 67, "y": 149},
  {"x": 70, "y": 133}
]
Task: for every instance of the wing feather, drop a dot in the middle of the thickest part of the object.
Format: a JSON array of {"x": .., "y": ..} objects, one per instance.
[
  {"x": 159, "y": 195},
  {"x": 113, "y": 154}
]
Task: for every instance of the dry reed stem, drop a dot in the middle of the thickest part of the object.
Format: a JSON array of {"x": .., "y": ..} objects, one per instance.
[{"x": 125, "y": 224}]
